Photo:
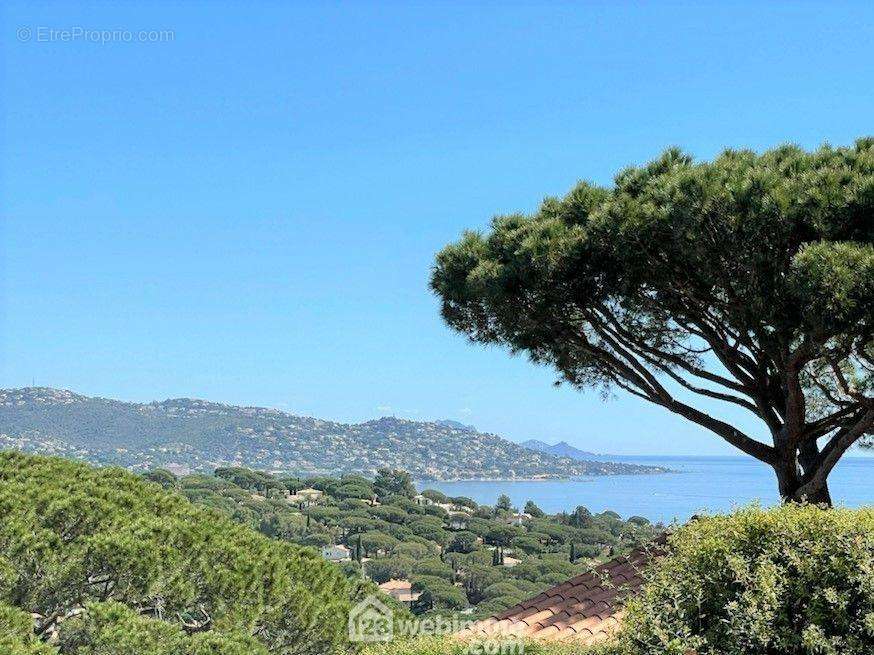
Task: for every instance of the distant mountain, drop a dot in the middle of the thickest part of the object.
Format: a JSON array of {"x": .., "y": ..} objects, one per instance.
[
  {"x": 561, "y": 449},
  {"x": 197, "y": 435}
]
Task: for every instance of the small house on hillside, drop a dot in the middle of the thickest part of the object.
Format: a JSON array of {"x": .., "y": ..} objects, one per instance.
[
  {"x": 517, "y": 519},
  {"x": 306, "y": 496},
  {"x": 458, "y": 521},
  {"x": 401, "y": 591},
  {"x": 422, "y": 500},
  {"x": 336, "y": 553}
]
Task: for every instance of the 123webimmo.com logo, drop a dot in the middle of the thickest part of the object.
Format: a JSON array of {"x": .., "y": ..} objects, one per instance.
[{"x": 372, "y": 621}]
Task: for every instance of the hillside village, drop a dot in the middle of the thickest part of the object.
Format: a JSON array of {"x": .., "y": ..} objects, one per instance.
[
  {"x": 186, "y": 435},
  {"x": 426, "y": 550}
]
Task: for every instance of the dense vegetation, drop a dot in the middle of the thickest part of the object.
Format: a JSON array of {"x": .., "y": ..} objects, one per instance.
[
  {"x": 748, "y": 280},
  {"x": 199, "y": 436},
  {"x": 97, "y": 561},
  {"x": 455, "y": 552},
  {"x": 794, "y": 580}
]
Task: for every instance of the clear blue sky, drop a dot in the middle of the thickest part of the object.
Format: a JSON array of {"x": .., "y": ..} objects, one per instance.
[{"x": 248, "y": 213}]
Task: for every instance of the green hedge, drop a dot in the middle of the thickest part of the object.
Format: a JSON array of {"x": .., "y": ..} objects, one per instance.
[{"x": 794, "y": 580}]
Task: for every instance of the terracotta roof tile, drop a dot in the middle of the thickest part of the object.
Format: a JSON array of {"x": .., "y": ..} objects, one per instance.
[{"x": 586, "y": 609}]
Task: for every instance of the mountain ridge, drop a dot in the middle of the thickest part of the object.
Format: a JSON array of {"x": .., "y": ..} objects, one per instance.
[
  {"x": 200, "y": 435},
  {"x": 563, "y": 449}
]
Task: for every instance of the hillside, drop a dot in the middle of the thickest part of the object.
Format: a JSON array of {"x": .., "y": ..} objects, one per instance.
[
  {"x": 196, "y": 435},
  {"x": 498, "y": 554}
]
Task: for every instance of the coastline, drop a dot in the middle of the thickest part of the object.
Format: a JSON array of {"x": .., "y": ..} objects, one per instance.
[{"x": 557, "y": 478}]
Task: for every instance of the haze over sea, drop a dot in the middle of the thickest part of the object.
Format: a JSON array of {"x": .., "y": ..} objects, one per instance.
[{"x": 700, "y": 484}]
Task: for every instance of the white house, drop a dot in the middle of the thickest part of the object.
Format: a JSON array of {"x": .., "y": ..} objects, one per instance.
[
  {"x": 306, "y": 496},
  {"x": 517, "y": 519},
  {"x": 458, "y": 521},
  {"x": 336, "y": 553}
]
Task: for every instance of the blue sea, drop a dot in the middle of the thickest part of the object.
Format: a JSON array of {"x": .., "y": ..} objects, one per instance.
[{"x": 699, "y": 484}]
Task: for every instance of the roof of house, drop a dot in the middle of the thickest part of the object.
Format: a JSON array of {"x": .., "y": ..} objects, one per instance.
[
  {"x": 586, "y": 609},
  {"x": 406, "y": 596},
  {"x": 395, "y": 584}
]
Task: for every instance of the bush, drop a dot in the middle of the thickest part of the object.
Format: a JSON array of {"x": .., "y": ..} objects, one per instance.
[{"x": 790, "y": 581}]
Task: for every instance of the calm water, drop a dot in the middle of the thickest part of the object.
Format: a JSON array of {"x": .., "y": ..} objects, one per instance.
[{"x": 712, "y": 484}]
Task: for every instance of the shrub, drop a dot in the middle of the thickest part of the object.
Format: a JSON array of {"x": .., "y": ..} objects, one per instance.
[{"x": 790, "y": 581}]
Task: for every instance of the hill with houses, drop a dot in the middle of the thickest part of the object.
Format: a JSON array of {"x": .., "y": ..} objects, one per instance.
[{"x": 187, "y": 435}]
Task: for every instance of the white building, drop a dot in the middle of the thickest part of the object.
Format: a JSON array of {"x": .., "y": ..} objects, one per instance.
[
  {"x": 458, "y": 521},
  {"x": 517, "y": 519},
  {"x": 336, "y": 553}
]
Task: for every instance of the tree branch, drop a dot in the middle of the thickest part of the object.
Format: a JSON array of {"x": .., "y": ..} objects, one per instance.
[{"x": 836, "y": 447}]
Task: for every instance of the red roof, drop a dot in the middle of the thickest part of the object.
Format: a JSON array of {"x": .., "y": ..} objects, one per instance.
[{"x": 587, "y": 608}]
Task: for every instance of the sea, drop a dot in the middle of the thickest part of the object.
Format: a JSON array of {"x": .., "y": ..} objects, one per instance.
[{"x": 696, "y": 485}]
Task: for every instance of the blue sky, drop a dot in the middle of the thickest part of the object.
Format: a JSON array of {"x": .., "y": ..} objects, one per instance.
[{"x": 248, "y": 212}]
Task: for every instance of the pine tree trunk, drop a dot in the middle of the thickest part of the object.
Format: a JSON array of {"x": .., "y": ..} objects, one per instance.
[
  {"x": 817, "y": 495},
  {"x": 792, "y": 489}
]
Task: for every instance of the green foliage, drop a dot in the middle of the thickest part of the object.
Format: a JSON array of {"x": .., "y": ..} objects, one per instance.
[
  {"x": 501, "y": 589},
  {"x": 430, "y": 530},
  {"x": 796, "y": 580},
  {"x": 435, "y": 495},
  {"x": 389, "y": 513},
  {"x": 403, "y": 539},
  {"x": 116, "y": 628},
  {"x": 434, "y": 567},
  {"x": 388, "y": 568},
  {"x": 463, "y": 541},
  {"x": 393, "y": 482},
  {"x": 110, "y": 549},
  {"x": 463, "y": 501},
  {"x": 438, "y": 593},
  {"x": 16, "y": 634},
  {"x": 373, "y": 542},
  {"x": 748, "y": 280},
  {"x": 163, "y": 477},
  {"x": 502, "y": 535}
]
